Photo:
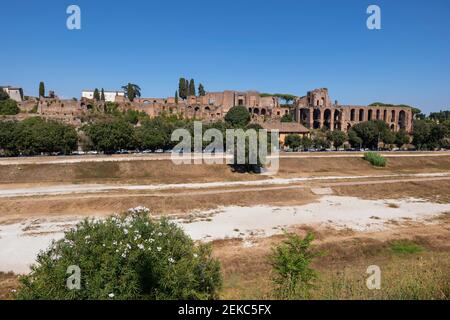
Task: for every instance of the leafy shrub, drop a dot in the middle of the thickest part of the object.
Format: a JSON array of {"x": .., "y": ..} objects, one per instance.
[
  {"x": 125, "y": 257},
  {"x": 9, "y": 107},
  {"x": 290, "y": 263},
  {"x": 375, "y": 159}
]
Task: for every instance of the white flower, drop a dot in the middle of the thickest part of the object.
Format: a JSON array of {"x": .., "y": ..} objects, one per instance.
[
  {"x": 195, "y": 255},
  {"x": 124, "y": 255},
  {"x": 158, "y": 248},
  {"x": 125, "y": 231},
  {"x": 13, "y": 290},
  {"x": 141, "y": 246},
  {"x": 87, "y": 237},
  {"x": 171, "y": 260},
  {"x": 111, "y": 295}
]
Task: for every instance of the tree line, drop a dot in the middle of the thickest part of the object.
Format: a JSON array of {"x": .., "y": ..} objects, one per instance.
[
  {"x": 35, "y": 136},
  {"x": 427, "y": 135}
]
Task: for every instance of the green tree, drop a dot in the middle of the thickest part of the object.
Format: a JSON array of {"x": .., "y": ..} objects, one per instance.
[
  {"x": 9, "y": 107},
  {"x": 238, "y": 116},
  {"x": 201, "y": 90},
  {"x": 8, "y": 138},
  {"x": 192, "y": 87},
  {"x": 96, "y": 95},
  {"x": 3, "y": 95},
  {"x": 401, "y": 138},
  {"x": 287, "y": 118},
  {"x": 354, "y": 140},
  {"x": 307, "y": 143},
  {"x": 320, "y": 143},
  {"x": 132, "y": 91},
  {"x": 41, "y": 89},
  {"x": 176, "y": 97},
  {"x": 111, "y": 135},
  {"x": 370, "y": 132},
  {"x": 127, "y": 257},
  {"x": 337, "y": 137},
  {"x": 288, "y": 98},
  {"x": 293, "y": 141},
  {"x": 102, "y": 96},
  {"x": 182, "y": 89},
  {"x": 291, "y": 267},
  {"x": 36, "y": 135}
]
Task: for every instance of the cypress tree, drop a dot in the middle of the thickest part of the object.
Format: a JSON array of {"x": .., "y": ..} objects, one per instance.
[
  {"x": 186, "y": 87},
  {"x": 201, "y": 90},
  {"x": 182, "y": 89},
  {"x": 102, "y": 97},
  {"x": 130, "y": 92},
  {"x": 176, "y": 97},
  {"x": 96, "y": 94},
  {"x": 41, "y": 89},
  {"x": 192, "y": 87}
]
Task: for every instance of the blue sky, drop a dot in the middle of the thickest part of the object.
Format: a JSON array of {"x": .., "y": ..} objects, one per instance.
[{"x": 268, "y": 45}]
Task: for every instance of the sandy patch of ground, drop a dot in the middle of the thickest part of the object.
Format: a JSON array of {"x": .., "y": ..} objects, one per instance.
[{"x": 20, "y": 242}]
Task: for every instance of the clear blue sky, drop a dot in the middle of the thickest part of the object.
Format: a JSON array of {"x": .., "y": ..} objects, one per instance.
[{"x": 268, "y": 45}]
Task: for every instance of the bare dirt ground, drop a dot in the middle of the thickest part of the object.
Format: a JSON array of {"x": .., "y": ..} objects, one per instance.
[{"x": 245, "y": 267}]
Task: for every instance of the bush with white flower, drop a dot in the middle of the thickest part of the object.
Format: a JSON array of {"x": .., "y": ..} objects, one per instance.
[{"x": 129, "y": 256}]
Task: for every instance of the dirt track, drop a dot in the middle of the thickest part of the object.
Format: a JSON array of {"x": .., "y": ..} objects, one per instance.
[{"x": 167, "y": 156}]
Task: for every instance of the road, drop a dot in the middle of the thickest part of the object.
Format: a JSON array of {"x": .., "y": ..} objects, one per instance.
[
  {"x": 167, "y": 156},
  {"x": 6, "y": 192}
]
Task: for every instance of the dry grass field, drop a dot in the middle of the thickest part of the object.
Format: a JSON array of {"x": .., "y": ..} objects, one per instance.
[{"x": 417, "y": 267}]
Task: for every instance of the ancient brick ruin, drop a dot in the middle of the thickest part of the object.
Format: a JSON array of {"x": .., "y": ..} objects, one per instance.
[{"x": 314, "y": 111}]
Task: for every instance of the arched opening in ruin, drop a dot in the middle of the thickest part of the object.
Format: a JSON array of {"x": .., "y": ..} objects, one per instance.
[
  {"x": 392, "y": 127},
  {"x": 378, "y": 115},
  {"x": 304, "y": 117},
  {"x": 337, "y": 120},
  {"x": 263, "y": 112},
  {"x": 207, "y": 109},
  {"x": 402, "y": 120},
  {"x": 385, "y": 115},
  {"x": 250, "y": 110},
  {"x": 369, "y": 114},
  {"x": 316, "y": 117},
  {"x": 327, "y": 118},
  {"x": 196, "y": 109},
  {"x": 393, "y": 116},
  {"x": 256, "y": 111},
  {"x": 352, "y": 115},
  {"x": 361, "y": 115}
]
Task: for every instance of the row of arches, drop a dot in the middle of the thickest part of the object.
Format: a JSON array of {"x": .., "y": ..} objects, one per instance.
[
  {"x": 338, "y": 119},
  {"x": 257, "y": 111}
]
